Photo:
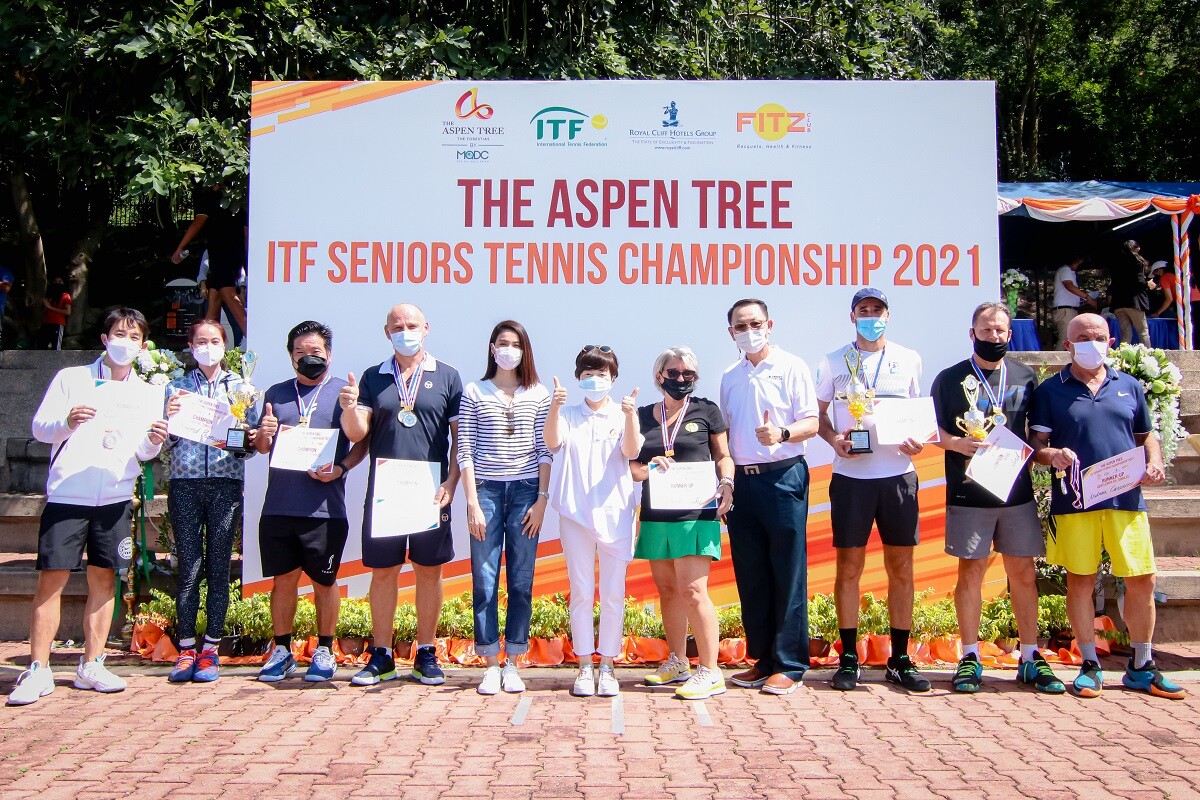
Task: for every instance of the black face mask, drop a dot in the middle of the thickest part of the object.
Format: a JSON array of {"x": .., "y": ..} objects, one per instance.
[
  {"x": 677, "y": 389},
  {"x": 990, "y": 351},
  {"x": 311, "y": 367}
]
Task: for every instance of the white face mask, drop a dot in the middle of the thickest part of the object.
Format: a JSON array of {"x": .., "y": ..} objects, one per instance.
[
  {"x": 407, "y": 342},
  {"x": 1089, "y": 355},
  {"x": 508, "y": 357},
  {"x": 595, "y": 387},
  {"x": 208, "y": 355},
  {"x": 122, "y": 351},
  {"x": 751, "y": 341}
]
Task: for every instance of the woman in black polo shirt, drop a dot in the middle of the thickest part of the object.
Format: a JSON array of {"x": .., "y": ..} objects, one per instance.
[{"x": 682, "y": 544}]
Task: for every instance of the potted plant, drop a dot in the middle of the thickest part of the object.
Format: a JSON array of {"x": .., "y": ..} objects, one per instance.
[
  {"x": 405, "y": 634},
  {"x": 999, "y": 624},
  {"x": 353, "y": 625},
  {"x": 822, "y": 625},
  {"x": 873, "y": 621},
  {"x": 257, "y": 628},
  {"x": 1054, "y": 626}
]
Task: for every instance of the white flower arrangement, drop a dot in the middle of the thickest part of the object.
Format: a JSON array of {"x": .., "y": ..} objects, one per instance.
[
  {"x": 157, "y": 367},
  {"x": 1160, "y": 380},
  {"x": 1013, "y": 280}
]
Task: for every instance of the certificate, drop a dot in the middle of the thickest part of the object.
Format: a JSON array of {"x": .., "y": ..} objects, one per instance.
[
  {"x": 125, "y": 410},
  {"x": 303, "y": 448},
  {"x": 686, "y": 486},
  {"x": 899, "y": 419},
  {"x": 403, "y": 501},
  {"x": 1113, "y": 476},
  {"x": 997, "y": 466},
  {"x": 201, "y": 419}
]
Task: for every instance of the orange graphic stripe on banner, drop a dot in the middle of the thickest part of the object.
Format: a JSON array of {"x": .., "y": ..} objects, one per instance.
[{"x": 292, "y": 101}]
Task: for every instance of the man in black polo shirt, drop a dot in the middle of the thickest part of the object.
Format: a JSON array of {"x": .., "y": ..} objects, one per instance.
[
  {"x": 978, "y": 520},
  {"x": 409, "y": 407}
]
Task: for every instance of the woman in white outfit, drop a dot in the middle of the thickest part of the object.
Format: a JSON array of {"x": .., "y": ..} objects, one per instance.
[{"x": 593, "y": 493}]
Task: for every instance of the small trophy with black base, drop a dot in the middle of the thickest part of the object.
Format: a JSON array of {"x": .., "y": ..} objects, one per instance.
[
  {"x": 860, "y": 401},
  {"x": 241, "y": 400}
]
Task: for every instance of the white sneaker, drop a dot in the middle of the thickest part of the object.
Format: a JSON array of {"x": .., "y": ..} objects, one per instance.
[
  {"x": 673, "y": 670},
  {"x": 94, "y": 675},
  {"x": 491, "y": 681},
  {"x": 585, "y": 683},
  {"x": 34, "y": 684},
  {"x": 704, "y": 684},
  {"x": 608, "y": 686},
  {"x": 511, "y": 679}
]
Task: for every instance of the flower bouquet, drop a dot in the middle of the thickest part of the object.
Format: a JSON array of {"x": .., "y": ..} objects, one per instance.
[
  {"x": 1012, "y": 282},
  {"x": 157, "y": 367},
  {"x": 1160, "y": 380}
]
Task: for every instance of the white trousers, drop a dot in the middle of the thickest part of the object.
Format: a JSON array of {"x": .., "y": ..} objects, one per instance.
[{"x": 581, "y": 548}]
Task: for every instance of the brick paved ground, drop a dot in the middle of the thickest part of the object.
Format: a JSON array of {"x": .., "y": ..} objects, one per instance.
[{"x": 239, "y": 738}]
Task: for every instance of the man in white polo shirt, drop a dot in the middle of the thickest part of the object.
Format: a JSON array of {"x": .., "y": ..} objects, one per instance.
[
  {"x": 768, "y": 400},
  {"x": 1068, "y": 297},
  {"x": 877, "y": 488}
]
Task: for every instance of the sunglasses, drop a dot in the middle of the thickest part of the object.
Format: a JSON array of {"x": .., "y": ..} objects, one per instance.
[
  {"x": 742, "y": 327},
  {"x": 676, "y": 374},
  {"x": 603, "y": 348}
]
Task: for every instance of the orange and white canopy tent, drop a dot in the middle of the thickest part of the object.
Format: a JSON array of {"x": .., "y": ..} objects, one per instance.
[{"x": 1099, "y": 201}]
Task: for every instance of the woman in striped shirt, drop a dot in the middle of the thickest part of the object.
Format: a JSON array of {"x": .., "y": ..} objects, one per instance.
[{"x": 505, "y": 472}]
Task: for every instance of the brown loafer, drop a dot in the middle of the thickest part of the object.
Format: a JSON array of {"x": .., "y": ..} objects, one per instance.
[
  {"x": 750, "y": 679},
  {"x": 780, "y": 684}
]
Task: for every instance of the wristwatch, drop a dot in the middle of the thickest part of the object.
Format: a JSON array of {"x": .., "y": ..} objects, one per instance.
[
  {"x": 544, "y": 494},
  {"x": 787, "y": 434}
]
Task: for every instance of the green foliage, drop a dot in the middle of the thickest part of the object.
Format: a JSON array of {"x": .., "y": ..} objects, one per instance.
[
  {"x": 405, "y": 623},
  {"x": 550, "y": 617},
  {"x": 354, "y": 618},
  {"x": 873, "y": 615},
  {"x": 934, "y": 619},
  {"x": 642, "y": 621},
  {"x": 1052, "y": 615},
  {"x": 456, "y": 620},
  {"x": 305, "y": 623},
  {"x": 822, "y": 618},
  {"x": 253, "y": 617},
  {"x": 997, "y": 620},
  {"x": 160, "y": 605},
  {"x": 729, "y": 622}
]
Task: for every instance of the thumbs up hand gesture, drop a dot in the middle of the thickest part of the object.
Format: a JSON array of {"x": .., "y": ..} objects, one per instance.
[
  {"x": 348, "y": 396},
  {"x": 629, "y": 403},
  {"x": 768, "y": 433},
  {"x": 269, "y": 424},
  {"x": 559, "y": 397}
]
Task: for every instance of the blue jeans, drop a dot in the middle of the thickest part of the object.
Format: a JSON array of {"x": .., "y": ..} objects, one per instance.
[{"x": 504, "y": 504}]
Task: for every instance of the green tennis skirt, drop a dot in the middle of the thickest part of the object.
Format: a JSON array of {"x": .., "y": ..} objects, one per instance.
[{"x": 659, "y": 540}]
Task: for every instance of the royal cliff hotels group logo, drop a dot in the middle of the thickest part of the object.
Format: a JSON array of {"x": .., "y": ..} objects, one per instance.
[
  {"x": 559, "y": 126},
  {"x": 773, "y": 123},
  {"x": 473, "y": 134},
  {"x": 673, "y": 131}
]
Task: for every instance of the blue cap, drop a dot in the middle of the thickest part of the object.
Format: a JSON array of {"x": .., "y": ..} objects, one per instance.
[{"x": 868, "y": 292}]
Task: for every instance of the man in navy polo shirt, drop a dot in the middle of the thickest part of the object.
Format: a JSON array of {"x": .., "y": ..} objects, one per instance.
[
  {"x": 409, "y": 407},
  {"x": 1083, "y": 415},
  {"x": 303, "y": 526}
]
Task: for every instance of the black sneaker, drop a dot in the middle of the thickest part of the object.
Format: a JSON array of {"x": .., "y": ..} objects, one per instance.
[
  {"x": 848, "y": 673},
  {"x": 425, "y": 667},
  {"x": 901, "y": 670},
  {"x": 1038, "y": 674},
  {"x": 968, "y": 677},
  {"x": 381, "y": 667}
]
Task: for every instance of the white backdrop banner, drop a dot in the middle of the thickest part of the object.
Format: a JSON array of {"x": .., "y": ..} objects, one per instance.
[{"x": 626, "y": 213}]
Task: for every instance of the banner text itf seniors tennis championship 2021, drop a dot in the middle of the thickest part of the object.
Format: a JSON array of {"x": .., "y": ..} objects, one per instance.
[{"x": 626, "y": 213}]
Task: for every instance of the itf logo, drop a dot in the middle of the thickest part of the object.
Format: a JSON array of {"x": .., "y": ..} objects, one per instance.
[
  {"x": 772, "y": 122},
  {"x": 559, "y": 124},
  {"x": 469, "y": 106},
  {"x": 671, "y": 112}
]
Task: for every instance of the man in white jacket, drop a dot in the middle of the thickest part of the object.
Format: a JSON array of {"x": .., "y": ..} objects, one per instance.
[{"x": 88, "y": 505}]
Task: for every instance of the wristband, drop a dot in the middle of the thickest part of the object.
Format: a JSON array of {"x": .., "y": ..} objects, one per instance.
[
  {"x": 725, "y": 482},
  {"x": 342, "y": 466}
]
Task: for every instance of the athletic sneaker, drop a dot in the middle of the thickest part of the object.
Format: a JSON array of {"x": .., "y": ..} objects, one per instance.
[
  {"x": 185, "y": 667},
  {"x": 94, "y": 675},
  {"x": 585, "y": 682},
  {"x": 323, "y": 666},
  {"x": 673, "y": 670},
  {"x": 703, "y": 684},
  {"x": 33, "y": 684},
  {"x": 1038, "y": 673},
  {"x": 607, "y": 686},
  {"x": 1089, "y": 682},
  {"x": 491, "y": 681},
  {"x": 1149, "y": 679},
  {"x": 208, "y": 667},
  {"x": 381, "y": 667},
  {"x": 968, "y": 678},
  {"x": 425, "y": 667},
  {"x": 848, "y": 673},
  {"x": 901, "y": 671},
  {"x": 510, "y": 679},
  {"x": 280, "y": 665}
]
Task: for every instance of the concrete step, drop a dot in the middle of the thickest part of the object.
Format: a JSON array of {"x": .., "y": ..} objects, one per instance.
[
  {"x": 20, "y": 516},
  {"x": 1185, "y": 469},
  {"x": 29, "y": 465},
  {"x": 1174, "y": 519},
  {"x": 19, "y": 381},
  {"x": 1178, "y": 618}
]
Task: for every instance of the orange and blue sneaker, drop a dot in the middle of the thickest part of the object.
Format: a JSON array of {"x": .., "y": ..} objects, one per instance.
[
  {"x": 185, "y": 667},
  {"x": 1089, "y": 682},
  {"x": 1149, "y": 679},
  {"x": 1037, "y": 673},
  {"x": 208, "y": 667}
]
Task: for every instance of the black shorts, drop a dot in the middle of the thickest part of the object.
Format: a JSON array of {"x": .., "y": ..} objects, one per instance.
[
  {"x": 313, "y": 544},
  {"x": 224, "y": 269},
  {"x": 66, "y": 531},
  {"x": 428, "y": 549},
  {"x": 889, "y": 503}
]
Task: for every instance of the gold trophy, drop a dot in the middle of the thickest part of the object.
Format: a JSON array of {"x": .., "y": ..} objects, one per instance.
[
  {"x": 859, "y": 401},
  {"x": 974, "y": 423},
  {"x": 241, "y": 400}
]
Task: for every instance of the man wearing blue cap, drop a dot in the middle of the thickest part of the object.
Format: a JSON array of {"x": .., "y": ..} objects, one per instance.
[{"x": 872, "y": 483}]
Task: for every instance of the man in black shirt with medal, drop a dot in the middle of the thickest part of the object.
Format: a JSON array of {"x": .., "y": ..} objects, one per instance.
[{"x": 972, "y": 398}]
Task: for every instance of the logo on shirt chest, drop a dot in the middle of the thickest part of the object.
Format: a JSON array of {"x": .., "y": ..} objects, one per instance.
[{"x": 691, "y": 427}]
